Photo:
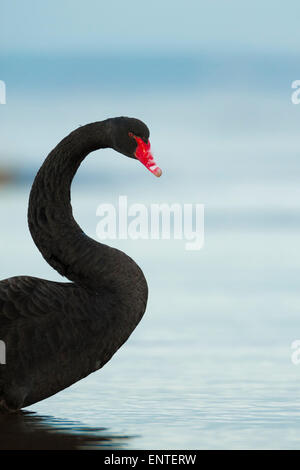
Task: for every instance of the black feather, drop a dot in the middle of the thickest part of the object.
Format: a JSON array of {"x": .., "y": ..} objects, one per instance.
[{"x": 57, "y": 333}]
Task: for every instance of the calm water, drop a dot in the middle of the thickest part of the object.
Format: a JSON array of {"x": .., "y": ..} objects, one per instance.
[{"x": 209, "y": 366}]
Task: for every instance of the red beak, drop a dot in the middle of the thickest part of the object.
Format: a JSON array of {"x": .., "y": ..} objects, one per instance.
[{"x": 144, "y": 155}]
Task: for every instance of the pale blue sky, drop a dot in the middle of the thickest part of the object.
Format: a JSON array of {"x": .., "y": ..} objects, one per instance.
[{"x": 65, "y": 26}]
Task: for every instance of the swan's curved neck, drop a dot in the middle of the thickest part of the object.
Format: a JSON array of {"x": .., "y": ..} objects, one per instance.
[{"x": 57, "y": 235}]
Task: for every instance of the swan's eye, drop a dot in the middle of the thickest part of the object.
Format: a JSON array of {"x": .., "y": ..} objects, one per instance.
[{"x": 131, "y": 134}]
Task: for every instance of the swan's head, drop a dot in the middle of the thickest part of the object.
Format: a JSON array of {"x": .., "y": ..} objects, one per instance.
[{"x": 131, "y": 138}]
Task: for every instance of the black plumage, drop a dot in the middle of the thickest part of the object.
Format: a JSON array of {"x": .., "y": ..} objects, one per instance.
[{"x": 57, "y": 333}]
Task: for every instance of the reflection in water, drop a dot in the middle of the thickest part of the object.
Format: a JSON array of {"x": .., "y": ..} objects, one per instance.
[{"x": 30, "y": 431}]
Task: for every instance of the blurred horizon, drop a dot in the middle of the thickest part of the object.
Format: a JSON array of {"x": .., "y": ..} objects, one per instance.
[
  {"x": 51, "y": 70},
  {"x": 254, "y": 91},
  {"x": 223, "y": 69}
]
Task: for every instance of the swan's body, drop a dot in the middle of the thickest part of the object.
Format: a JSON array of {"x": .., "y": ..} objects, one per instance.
[{"x": 57, "y": 333}]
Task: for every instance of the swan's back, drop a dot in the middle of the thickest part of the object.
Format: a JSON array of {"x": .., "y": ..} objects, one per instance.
[{"x": 56, "y": 334}]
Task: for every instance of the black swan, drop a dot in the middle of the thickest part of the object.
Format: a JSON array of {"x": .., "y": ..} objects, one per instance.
[{"x": 56, "y": 333}]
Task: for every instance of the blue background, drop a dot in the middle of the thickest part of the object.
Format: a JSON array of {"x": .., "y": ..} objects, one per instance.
[{"x": 210, "y": 364}]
